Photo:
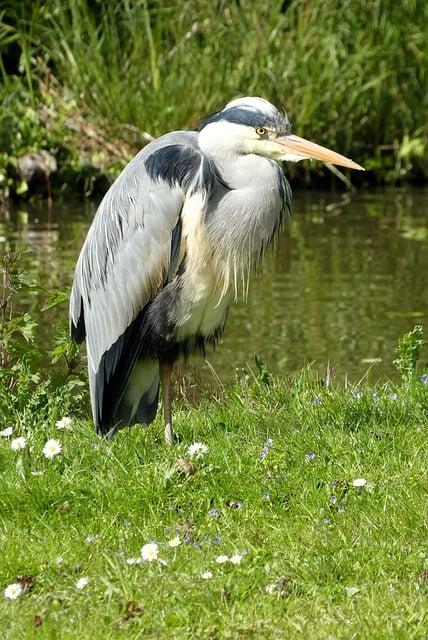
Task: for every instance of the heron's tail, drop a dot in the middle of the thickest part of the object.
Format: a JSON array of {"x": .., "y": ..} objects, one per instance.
[{"x": 139, "y": 403}]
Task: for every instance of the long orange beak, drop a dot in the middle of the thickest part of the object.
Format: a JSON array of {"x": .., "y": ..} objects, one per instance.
[{"x": 298, "y": 149}]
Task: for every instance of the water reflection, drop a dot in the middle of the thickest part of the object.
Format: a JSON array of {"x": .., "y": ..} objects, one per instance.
[{"x": 350, "y": 275}]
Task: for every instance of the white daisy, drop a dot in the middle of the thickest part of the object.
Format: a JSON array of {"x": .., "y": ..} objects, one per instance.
[
  {"x": 18, "y": 443},
  {"x": 359, "y": 482},
  {"x": 197, "y": 450},
  {"x": 90, "y": 538},
  {"x": 174, "y": 542},
  {"x": 64, "y": 423},
  {"x": 206, "y": 575},
  {"x": 13, "y": 591},
  {"x": 236, "y": 558},
  {"x": 82, "y": 582},
  {"x": 150, "y": 551},
  {"x": 52, "y": 448},
  {"x": 6, "y": 432},
  {"x": 222, "y": 559}
]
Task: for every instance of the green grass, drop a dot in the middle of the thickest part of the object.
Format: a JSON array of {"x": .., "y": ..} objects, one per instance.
[
  {"x": 353, "y": 75},
  {"x": 344, "y": 567}
]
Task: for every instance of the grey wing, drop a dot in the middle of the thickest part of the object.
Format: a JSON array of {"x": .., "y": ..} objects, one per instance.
[{"x": 126, "y": 258}]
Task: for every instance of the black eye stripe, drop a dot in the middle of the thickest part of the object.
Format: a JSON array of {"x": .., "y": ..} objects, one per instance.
[{"x": 251, "y": 118}]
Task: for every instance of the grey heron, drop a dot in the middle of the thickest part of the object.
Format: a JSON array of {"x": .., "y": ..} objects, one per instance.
[{"x": 173, "y": 241}]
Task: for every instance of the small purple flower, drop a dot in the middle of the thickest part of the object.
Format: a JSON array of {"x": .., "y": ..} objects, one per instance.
[
  {"x": 187, "y": 539},
  {"x": 266, "y": 496},
  {"x": 316, "y": 401},
  {"x": 325, "y": 521},
  {"x": 393, "y": 396},
  {"x": 217, "y": 540},
  {"x": 196, "y": 545},
  {"x": 214, "y": 513},
  {"x": 127, "y": 523},
  {"x": 424, "y": 378},
  {"x": 357, "y": 394},
  {"x": 207, "y": 539},
  {"x": 267, "y": 445},
  {"x": 310, "y": 456},
  {"x": 340, "y": 509},
  {"x": 375, "y": 396},
  {"x": 333, "y": 499}
]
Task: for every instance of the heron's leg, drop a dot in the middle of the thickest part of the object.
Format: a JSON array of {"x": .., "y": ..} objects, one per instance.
[{"x": 165, "y": 373}]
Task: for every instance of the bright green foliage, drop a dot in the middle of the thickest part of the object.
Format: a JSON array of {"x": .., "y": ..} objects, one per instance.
[
  {"x": 352, "y": 75},
  {"x": 31, "y": 391},
  {"x": 408, "y": 351},
  {"x": 14, "y": 282},
  {"x": 321, "y": 558}
]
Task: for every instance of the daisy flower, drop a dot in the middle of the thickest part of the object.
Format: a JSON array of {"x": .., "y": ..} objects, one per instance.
[
  {"x": 236, "y": 558},
  {"x": 197, "y": 450},
  {"x": 13, "y": 591},
  {"x": 206, "y": 575},
  {"x": 359, "y": 482},
  {"x": 52, "y": 448},
  {"x": 64, "y": 423},
  {"x": 6, "y": 432},
  {"x": 222, "y": 559},
  {"x": 18, "y": 443},
  {"x": 82, "y": 582},
  {"x": 150, "y": 551},
  {"x": 174, "y": 542}
]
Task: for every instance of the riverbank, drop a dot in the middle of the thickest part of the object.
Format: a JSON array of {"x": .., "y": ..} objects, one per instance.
[
  {"x": 91, "y": 84},
  {"x": 291, "y": 506},
  {"x": 300, "y": 514}
]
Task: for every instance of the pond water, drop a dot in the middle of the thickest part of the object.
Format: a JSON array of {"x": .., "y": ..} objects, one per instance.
[{"x": 349, "y": 276}]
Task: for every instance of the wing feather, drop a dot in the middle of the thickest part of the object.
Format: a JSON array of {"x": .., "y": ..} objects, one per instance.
[{"x": 129, "y": 253}]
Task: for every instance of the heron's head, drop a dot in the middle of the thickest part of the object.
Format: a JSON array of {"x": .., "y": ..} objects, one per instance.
[{"x": 254, "y": 126}]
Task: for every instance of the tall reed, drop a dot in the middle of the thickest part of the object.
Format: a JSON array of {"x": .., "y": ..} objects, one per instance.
[{"x": 352, "y": 75}]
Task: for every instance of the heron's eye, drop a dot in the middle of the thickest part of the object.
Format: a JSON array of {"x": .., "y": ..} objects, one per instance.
[{"x": 261, "y": 131}]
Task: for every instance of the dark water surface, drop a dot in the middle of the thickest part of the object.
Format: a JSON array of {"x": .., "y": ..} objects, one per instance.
[{"x": 349, "y": 276}]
